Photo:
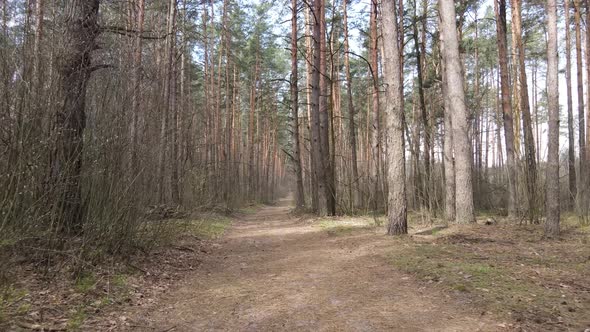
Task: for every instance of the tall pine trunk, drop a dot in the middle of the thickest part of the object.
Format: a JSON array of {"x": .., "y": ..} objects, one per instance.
[
  {"x": 354, "y": 181},
  {"x": 570, "y": 112},
  {"x": 552, "y": 184},
  {"x": 375, "y": 161},
  {"x": 453, "y": 75},
  {"x": 529, "y": 143},
  {"x": 500, "y": 10},
  {"x": 394, "y": 123},
  {"x": 581, "y": 122},
  {"x": 316, "y": 106},
  {"x": 299, "y": 198}
]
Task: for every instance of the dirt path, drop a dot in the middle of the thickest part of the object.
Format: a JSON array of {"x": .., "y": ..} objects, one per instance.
[{"x": 274, "y": 273}]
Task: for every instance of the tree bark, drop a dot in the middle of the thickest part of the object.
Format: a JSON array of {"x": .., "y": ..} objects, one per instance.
[
  {"x": 394, "y": 123},
  {"x": 139, "y": 8},
  {"x": 316, "y": 105},
  {"x": 449, "y": 160},
  {"x": 570, "y": 112},
  {"x": 354, "y": 181},
  {"x": 252, "y": 184},
  {"x": 309, "y": 65},
  {"x": 376, "y": 148},
  {"x": 299, "y": 198},
  {"x": 456, "y": 95},
  {"x": 586, "y": 178},
  {"x": 74, "y": 69},
  {"x": 419, "y": 48},
  {"x": 552, "y": 184},
  {"x": 581, "y": 122},
  {"x": 529, "y": 143},
  {"x": 500, "y": 10},
  {"x": 326, "y": 163},
  {"x": 171, "y": 100}
]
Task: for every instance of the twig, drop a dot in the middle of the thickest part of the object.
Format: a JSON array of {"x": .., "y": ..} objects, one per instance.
[
  {"x": 137, "y": 268},
  {"x": 39, "y": 327}
]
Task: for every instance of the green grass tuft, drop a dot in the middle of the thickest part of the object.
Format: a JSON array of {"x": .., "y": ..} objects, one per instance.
[
  {"x": 76, "y": 319},
  {"x": 341, "y": 227},
  {"x": 85, "y": 283},
  {"x": 209, "y": 227}
]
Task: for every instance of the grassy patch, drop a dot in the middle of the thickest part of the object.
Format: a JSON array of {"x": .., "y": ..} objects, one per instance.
[
  {"x": 211, "y": 227},
  {"x": 508, "y": 270},
  {"x": 495, "y": 286},
  {"x": 120, "y": 280},
  {"x": 76, "y": 319},
  {"x": 345, "y": 226},
  {"x": 10, "y": 303},
  {"x": 250, "y": 208},
  {"x": 85, "y": 283}
]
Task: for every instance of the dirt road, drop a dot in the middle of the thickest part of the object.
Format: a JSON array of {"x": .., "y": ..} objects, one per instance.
[{"x": 271, "y": 272}]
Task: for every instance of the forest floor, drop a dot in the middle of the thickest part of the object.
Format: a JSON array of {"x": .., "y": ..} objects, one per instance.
[{"x": 272, "y": 271}]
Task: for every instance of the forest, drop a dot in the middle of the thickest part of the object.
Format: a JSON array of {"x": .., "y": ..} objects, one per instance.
[{"x": 298, "y": 165}]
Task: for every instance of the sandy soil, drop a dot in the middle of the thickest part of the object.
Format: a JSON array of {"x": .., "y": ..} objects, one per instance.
[{"x": 272, "y": 272}]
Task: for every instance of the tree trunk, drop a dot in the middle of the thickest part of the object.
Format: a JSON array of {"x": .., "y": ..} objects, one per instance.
[
  {"x": 425, "y": 185},
  {"x": 586, "y": 178},
  {"x": 500, "y": 10},
  {"x": 581, "y": 123},
  {"x": 171, "y": 99},
  {"x": 252, "y": 183},
  {"x": 375, "y": 127},
  {"x": 328, "y": 178},
  {"x": 309, "y": 65},
  {"x": 456, "y": 95},
  {"x": 449, "y": 160},
  {"x": 316, "y": 144},
  {"x": 570, "y": 112},
  {"x": 74, "y": 69},
  {"x": 394, "y": 123},
  {"x": 552, "y": 184},
  {"x": 529, "y": 143},
  {"x": 299, "y": 198},
  {"x": 139, "y": 8},
  {"x": 354, "y": 181}
]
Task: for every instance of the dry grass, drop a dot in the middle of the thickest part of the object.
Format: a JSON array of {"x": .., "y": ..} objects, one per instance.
[{"x": 508, "y": 269}]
